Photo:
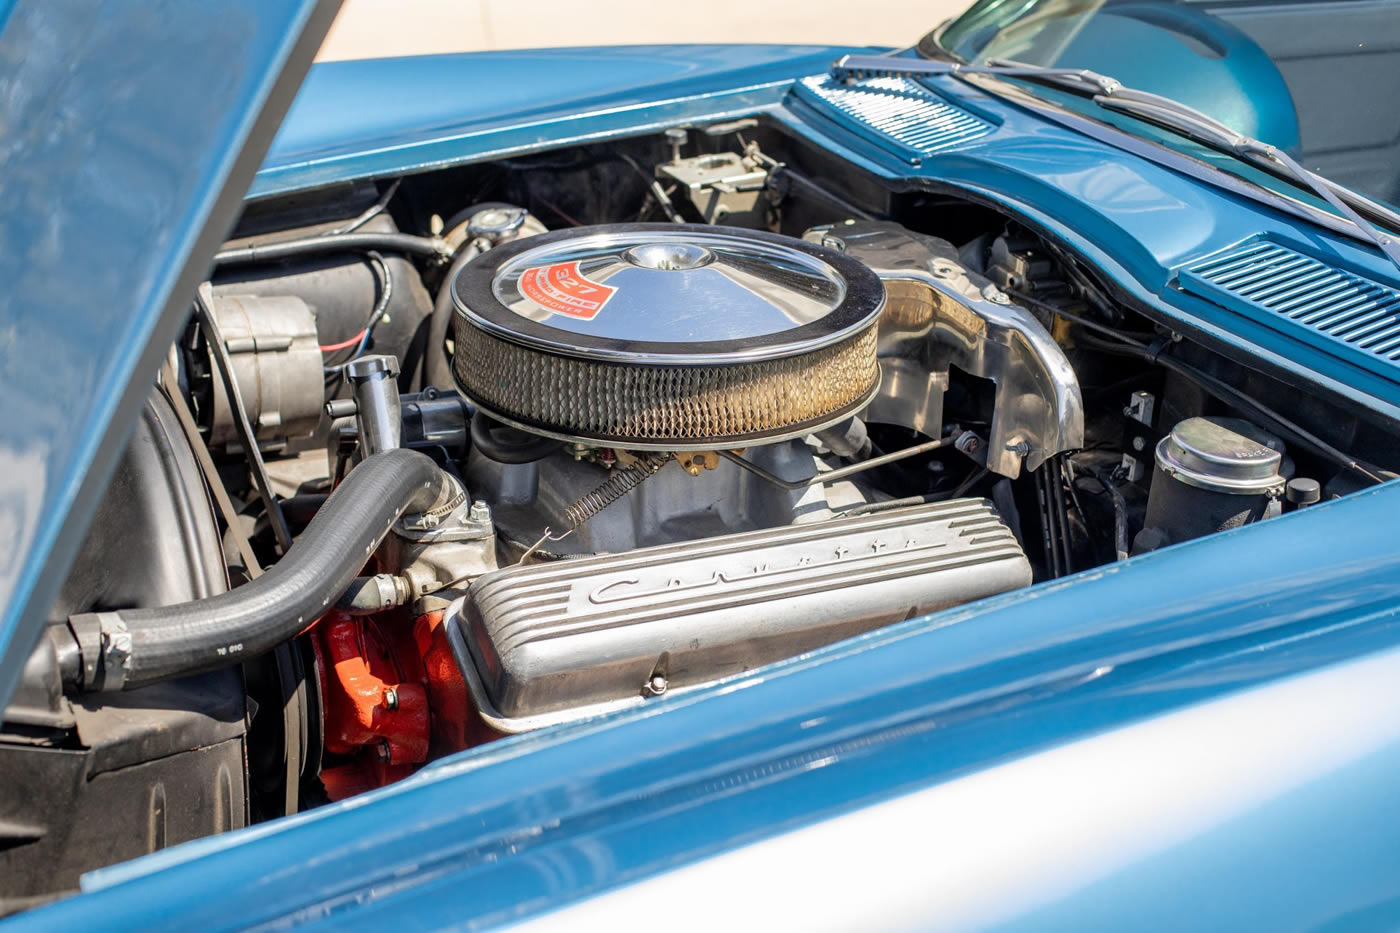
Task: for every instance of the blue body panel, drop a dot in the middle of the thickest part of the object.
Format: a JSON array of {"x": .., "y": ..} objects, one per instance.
[
  {"x": 534, "y": 822},
  {"x": 359, "y": 118},
  {"x": 114, "y": 163}
]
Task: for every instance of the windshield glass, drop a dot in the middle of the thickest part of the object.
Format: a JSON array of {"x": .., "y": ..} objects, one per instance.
[{"x": 1317, "y": 79}]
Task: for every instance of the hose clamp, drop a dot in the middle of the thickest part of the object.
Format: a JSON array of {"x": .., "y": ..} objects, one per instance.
[
  {"x": 116, "y": 650},
  {"x": 104, "y": 644}
]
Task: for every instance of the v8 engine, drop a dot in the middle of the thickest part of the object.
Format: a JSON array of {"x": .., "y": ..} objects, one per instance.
[{"x": 426, "y": 469}]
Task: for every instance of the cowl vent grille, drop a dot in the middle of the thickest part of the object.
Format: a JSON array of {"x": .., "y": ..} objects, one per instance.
[
  {"x": 913, "y": 121},
  {"x": 1358, "y": 316}
]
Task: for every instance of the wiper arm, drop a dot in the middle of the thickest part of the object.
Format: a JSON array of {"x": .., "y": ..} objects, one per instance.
[
  {"x": 1111, "y": 94},
  {"x": 1195, "y": 125},
  {"x": 1081, "y": 80}
]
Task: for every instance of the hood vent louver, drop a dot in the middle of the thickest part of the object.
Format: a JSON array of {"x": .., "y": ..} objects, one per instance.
[
  {"x": 904, "y": 116},
  {"x": 1274, "y": 284}
]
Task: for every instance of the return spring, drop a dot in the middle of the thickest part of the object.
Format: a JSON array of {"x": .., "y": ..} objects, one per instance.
[{"x": 622, "y": 481}]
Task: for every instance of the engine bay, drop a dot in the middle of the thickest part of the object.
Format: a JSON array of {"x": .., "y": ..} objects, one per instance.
[{"x": 503, "y": 446}]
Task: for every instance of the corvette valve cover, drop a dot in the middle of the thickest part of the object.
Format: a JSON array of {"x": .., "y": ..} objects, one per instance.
[{"x": 544, "y": 643}]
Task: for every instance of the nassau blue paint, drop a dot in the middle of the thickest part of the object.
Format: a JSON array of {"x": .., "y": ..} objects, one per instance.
[
  {"x": 357, "y": 119},
  {"x": 1176, "y": 50},
  {"x": 116, "y": 148},
  {"x": 532, "y": 823}
]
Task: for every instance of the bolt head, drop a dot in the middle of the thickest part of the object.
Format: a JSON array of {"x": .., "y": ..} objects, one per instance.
[{"x": 479, "y": 511}]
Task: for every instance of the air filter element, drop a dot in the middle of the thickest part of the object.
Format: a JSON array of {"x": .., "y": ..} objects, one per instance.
[{"x": 666, "y": 336}]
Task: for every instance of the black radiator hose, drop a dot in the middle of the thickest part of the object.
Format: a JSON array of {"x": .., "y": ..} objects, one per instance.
[
  {"x": 387, "y": 241},
  {"x": 127, "y": 648}
]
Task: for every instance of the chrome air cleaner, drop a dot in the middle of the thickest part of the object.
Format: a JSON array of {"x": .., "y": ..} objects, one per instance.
[{"x": 666, "y": 336}]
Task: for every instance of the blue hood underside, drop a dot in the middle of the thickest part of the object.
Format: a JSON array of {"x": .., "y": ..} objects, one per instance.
[{"x": 125, "y": 156}]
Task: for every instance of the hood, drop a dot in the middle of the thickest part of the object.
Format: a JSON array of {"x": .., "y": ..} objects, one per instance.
[
  {"x": 130, "y": 134},
  {"x": 358, "y": 119}
]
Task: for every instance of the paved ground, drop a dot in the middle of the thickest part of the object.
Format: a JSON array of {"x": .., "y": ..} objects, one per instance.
[{"x": 373, "y": 28}]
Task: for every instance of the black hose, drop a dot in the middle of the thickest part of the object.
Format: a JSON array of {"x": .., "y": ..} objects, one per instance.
[
  {"x": 131, "y": 648},
  {"x": 389, "y": 242},
  {"x": 1120, "y": 514},
  {"x": 368, "y": 595},
  {"x": 504, "y": 444},
  {"x": 437, "y": 368}
]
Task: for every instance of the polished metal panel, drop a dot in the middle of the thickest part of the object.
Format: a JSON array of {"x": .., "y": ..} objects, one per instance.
[
  {"x": 508, "y": 831},
  {"x": 685, "y": 291},
  {"x": 667, "y": 336},
  {"x": 560, "y": 641},
  {"x": 1222, "y": 455},
  {"x": 938, "y": 314}
]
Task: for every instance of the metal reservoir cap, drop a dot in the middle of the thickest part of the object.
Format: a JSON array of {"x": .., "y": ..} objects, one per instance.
[
  {"x": 666, "y": 336},
  {"x": 1227, "y": 455}
]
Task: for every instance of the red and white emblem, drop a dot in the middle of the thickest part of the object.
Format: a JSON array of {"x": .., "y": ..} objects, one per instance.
[{"x": 563, "y": 289}]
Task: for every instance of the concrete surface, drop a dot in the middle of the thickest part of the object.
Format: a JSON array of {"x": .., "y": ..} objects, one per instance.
[{"x": 375, "y": 28}]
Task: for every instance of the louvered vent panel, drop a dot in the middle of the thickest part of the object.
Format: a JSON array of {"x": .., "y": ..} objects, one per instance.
[
  {"x": 912, "y": 120},
  {"x": 1361, "y": 315}
]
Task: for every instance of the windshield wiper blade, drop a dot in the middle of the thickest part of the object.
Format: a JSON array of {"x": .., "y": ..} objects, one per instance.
[
  {"x": 1198, "y": 126},
  {"x": 1111, "y": 94},
  {"x": 1082, "y": 80}
]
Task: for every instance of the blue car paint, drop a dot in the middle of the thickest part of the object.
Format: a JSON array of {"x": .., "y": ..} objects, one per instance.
[
  {"x": 357, "y": 119},
  {"x": 1177, "y": 50},
  {"x": 1123, "y": 830},
  {"x": 106, "y": 194},
  {"x": 535, "y": 822}
]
